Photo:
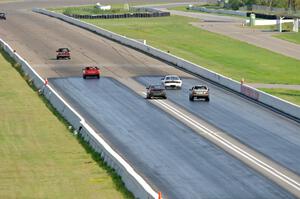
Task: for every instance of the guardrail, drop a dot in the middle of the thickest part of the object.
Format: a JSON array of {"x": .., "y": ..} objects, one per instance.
[
  {"x": 133, "y": 181},
  {"x": 276, "y": 103}
]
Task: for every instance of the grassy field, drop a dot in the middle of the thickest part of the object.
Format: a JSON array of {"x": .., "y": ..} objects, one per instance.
[
  {"x": 40, "y": 158},
  {"x": 184, "y": 8},
  {"x": 288, "y": 36},
  {"x": 91, "y": 9},
  {"x": 289, "y": 95},
  {"x": 292, "y": 37},
  {"x": 219, "y": 53}
]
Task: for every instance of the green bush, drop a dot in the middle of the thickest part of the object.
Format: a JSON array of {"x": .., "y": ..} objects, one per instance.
[{"x": 235, "y": 4}]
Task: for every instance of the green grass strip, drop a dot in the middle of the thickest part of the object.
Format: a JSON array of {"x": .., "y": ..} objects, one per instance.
[
  {"x": 92, "y": 10},
  {"x": 185, "y": 9},
  {"x": 289, "y": 95},
  {"x": 40, "y": 157},
  {"x": 219, "y": 53},
  {"x": 292, "y": 37}
]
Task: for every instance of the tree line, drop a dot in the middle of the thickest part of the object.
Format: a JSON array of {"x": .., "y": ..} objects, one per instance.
[{"x": 289, "y": 5}]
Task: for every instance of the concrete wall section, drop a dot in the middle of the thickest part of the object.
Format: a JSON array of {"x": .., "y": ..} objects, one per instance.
[
  {"x": 133, "y": 181},
  {"x": 264, "y": 22},
  {"x": 114, "y": 160},
  {"x": 28, "y": 71}
]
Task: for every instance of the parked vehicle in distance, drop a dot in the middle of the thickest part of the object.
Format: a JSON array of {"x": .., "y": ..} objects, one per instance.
[
  {"x": 91, "y": 71},
  {"x": 199, "y": 91},
  {"x": 157, "y": 91},
  {"x": 171, "y": 81},
  {"x": 63, "y": 53},
  {"x": 2, "y": 15}
]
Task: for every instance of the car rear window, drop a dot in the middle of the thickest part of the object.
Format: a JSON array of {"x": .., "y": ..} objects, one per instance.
[
  {"x": 172, "y": 78},
  {"x": 200, "y": 88},
  {"x": 63, "y": 50},
  {"x": 157, "y": 87}
]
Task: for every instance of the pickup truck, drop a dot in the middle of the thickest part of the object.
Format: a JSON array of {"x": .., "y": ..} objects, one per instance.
[{"x": 63, "y": 53}]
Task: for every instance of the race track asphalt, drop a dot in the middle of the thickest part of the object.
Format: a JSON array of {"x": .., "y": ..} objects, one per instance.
[
  {"x": 169, "y": 154},
  {"x": 244, "y": 120},
  {"x": 36, "y": 38}
]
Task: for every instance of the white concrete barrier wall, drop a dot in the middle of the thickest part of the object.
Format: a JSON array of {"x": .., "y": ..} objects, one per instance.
[
  {"x": 133, "y": 181},
  {"x": 274, "y": 102},
  {"x": 32, "y": 75},
  {"x": 264, "y": 22},
  {"x": 130, "y": 182}
]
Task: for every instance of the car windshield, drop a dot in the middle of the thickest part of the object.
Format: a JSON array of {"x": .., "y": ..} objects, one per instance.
[
  {"x": 156, "y": 87},
  {"x": 63, "y": 50},
  {"x": 91, "y": 68},
  {"x": 172, "y": 78},
  {"x": 200, "y": 88}
]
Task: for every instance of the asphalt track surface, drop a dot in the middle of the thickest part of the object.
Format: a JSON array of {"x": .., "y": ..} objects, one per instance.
[
  {"x": 37, "y": 37},
  {"x": 169, "y": 154},
  {"x": 250, "y": 124}
]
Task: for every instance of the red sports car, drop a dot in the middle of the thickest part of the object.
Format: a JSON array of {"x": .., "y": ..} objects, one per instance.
[{"x": 91, "y": 71}]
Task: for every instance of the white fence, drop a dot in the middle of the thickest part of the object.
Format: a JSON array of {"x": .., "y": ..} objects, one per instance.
[
  {"x": 265, "y": 22},
  {"x": 277, "y": 22},
  {"x": 269, "y": 100},
  {"x": 133, "y": 181}
]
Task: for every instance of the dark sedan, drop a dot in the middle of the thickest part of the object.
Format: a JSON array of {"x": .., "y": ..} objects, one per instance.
[{"x": 156, "y": 91}]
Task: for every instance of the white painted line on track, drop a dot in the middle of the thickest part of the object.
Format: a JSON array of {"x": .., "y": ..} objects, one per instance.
[{"x": 230, "y": 145}]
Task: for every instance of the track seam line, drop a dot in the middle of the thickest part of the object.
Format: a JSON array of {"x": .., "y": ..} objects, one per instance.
[{"x": 231, "y": 146}]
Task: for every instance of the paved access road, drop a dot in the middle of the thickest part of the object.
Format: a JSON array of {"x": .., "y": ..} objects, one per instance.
[
  {"x": 169, "y": 154},
  {"x": 37, "y": 37}
]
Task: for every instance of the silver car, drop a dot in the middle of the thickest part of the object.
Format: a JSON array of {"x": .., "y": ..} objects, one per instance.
[{"x": 199, "y": 91}]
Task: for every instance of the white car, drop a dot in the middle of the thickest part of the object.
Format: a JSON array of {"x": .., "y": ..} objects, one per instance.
[{"x": 171, "y": 81}]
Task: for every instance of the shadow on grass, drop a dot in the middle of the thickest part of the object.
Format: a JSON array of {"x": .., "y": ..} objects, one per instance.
[{"x": 117, "y": 180}]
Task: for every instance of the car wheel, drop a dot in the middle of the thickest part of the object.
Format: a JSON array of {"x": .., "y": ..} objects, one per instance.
[
  {"x": 207, "y": 99},
  {"x": 165, "y": 97},
  {"x": 57, "y": 58},
  {"x": 98, "y": 76},
  {"x": 84, "y": 77},
  {"x": 191, "y": 98}
]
